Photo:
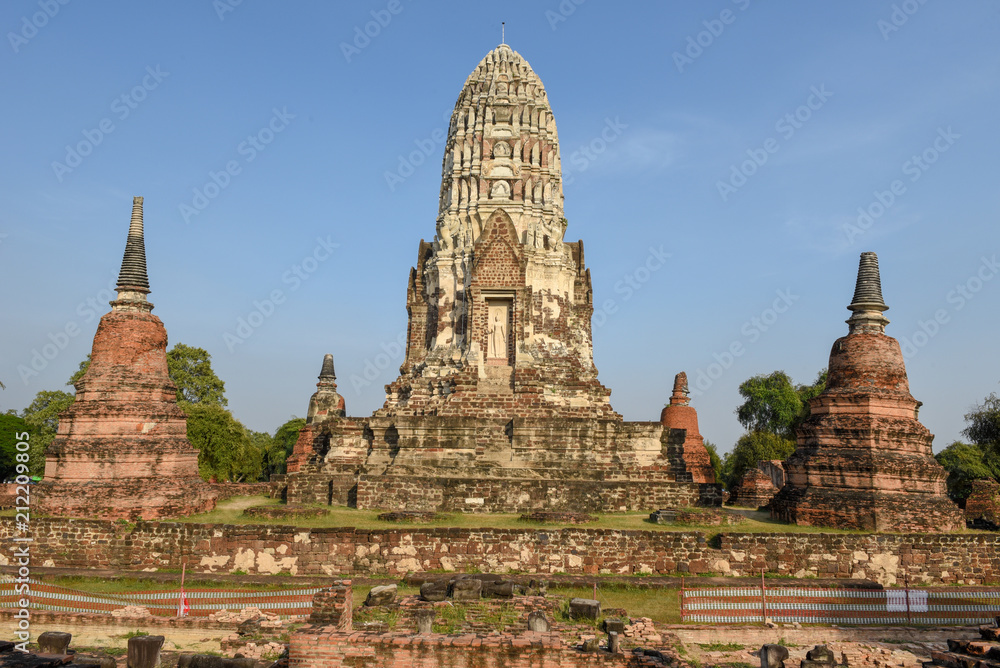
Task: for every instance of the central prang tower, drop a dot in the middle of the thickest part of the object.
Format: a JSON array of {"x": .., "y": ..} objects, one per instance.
[
  {"x": 499, "y": 305},
  {"x": 497, "y": 407}
]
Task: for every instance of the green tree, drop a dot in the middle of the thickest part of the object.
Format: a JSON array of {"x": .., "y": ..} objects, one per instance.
[
  {"x": 42, "y": 417},
  {"x": 984, "y": 426},
  {"x": 191, "y": 370},
  {"x": 10, "y": 427},
  {"x": 964, "y": 463},
  {"x": 807, "y": 392},
  {"x": 227, "y": 451},
  {"x": 713, "y": 457},
  {"x": 78, "y": 374},
  {"x": 750, "y": 449},
  {"x": 771, "y": 404},
  {"x": 284, "y": 439}
]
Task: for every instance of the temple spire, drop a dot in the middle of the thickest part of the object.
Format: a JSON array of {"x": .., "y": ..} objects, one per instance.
[
  {"x": 133, "y": 283},
  {"x": 327, "y": 372},
  {"x": 867, "y": 305},
  {"x": 680, "y": 396}
]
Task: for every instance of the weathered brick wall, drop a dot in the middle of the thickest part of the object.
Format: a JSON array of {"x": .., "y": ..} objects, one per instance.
[
  {"x": 334, "y": 606},
  {"x": 513, "y": 496},
  {"x": 85, "y": 544}
]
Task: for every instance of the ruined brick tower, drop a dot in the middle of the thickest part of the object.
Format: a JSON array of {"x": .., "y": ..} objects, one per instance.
[
  {"x": 680, "y": 414},
  {"x": 122, "y": 449},
  {"x": 499, "y": 305},
  {"x": 863, "y": 459},
  {"x": 497, "y": 406}
]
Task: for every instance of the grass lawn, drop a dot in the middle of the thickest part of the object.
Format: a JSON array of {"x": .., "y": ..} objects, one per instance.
[
  {"x": 230, "y": 511},
  {"x": 127, "y": 585}
]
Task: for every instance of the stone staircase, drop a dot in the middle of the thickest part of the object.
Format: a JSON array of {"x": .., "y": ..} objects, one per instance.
[{"x": 983, "y": 653}]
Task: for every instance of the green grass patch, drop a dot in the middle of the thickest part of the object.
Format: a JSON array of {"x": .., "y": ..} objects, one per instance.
[
  {"x": 124, "y": 585},
  {"x": 721, "y": 646},
  {"x": 660, "y": 605},
  {"x": 231, "y": 510}
]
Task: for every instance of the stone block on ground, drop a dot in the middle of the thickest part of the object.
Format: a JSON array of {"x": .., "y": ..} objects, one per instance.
[
  {"x": 54, "y": 642},
  {"x": 381, "y": 595},
  {"x": 537, "y": 622},
  {"x": 773, "y": 656},
  {"x": 466, "y": 590},
  {"x": 424, "y": 618},
  {"x": 584, "y": 608},
  {"x": 663, "y": 516},
  {"x": 434, "y": 591},
  {"x": 614, "y": 626},
  {"x": 498, "y": 589},
  {"x": 144, "y": 651}
]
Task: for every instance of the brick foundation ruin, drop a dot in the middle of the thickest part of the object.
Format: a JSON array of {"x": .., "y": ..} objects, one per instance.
[
  {"x": 121, "y": 450},
  {"x": 498, "y": 406},
  {"x": 754, "y": 490},
  {"x": 863, "y": 460}
]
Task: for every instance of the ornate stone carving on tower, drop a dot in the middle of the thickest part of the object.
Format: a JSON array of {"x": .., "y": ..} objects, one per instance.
[
  {"x": 122, "y": 449},
  {"x": 499, "y": 305},
  {"x": 863, "y": 459},
  {"x": 497, "y": 406}
]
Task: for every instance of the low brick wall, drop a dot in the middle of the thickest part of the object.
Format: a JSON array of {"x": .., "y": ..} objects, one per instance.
[
  {"x": 322, "y": 647},
  {"x": 969, "y": 558},
  {"x": 498, "y": 495}
]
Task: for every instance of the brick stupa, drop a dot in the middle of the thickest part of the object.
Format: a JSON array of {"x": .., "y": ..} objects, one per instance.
[
  {"x": 680, "y": 414},
  {"x": 121, "y": 450},
  {"x": 498, "y": 406},
  {"x": 863, "y": 460}
]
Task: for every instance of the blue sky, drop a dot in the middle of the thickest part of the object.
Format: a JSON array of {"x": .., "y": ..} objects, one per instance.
[{"x": 747, "y": 136}]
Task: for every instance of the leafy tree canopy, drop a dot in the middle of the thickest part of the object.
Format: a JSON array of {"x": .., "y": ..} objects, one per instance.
[
  {"x": 984, "y": 425},
  {"x": 964, "y": 463},
  {"x": 10, "y": 427},
  {"x": 774, "y": 404},
  {"x": 713, "y": 457},
  {"x": 191, "y": 370},
  {"x": 750, "y": 449},
  {"x": 227, "y": 451},
  {"x": 78, "y": 374},
  {"x": 42, "y": 418}
]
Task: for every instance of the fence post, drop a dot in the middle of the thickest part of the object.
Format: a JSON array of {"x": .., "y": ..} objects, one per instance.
[
  {"x": 763, "y": 599},
  {"x": 681, "y": 594},
  {"x": 906, "y": 585}
]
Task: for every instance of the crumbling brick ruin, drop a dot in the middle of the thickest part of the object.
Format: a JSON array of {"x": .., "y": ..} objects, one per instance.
[
  {"x": 497, "y": 406},
  {"x": 121, "y": 450},
  {"x": 863, "y": 460}
]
